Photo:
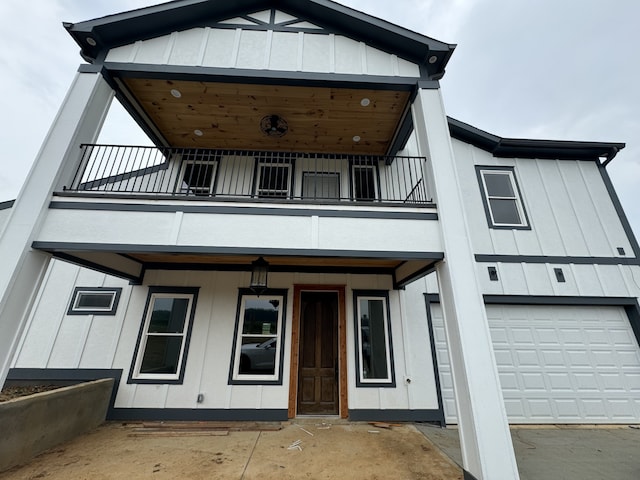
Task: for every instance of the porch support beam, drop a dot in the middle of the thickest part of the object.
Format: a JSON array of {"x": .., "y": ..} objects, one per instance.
[
  {"x": 78, "y": 121},
  {"x": 487, "y": 449}
]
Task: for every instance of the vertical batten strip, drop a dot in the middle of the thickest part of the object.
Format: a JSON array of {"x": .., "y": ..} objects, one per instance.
[
  {"x": 332, "y": 53},
  {"x": 267, "y": 50},
  {"x": 166, "y": 57},
  {"x": 203, "y": 45},
  {"x": 133, "y": 53},
  {"x": 235, "y": 49},
  {"x": 300, "y": 51},
  {"x": 395, "y": 67},
  {"x": 363, "y": 58}
]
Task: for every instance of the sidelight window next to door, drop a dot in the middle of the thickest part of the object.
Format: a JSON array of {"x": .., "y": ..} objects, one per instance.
[{"x": 374, "y": 359}]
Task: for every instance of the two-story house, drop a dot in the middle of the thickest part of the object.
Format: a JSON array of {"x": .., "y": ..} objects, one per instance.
[{"x": 312, "y": 235}]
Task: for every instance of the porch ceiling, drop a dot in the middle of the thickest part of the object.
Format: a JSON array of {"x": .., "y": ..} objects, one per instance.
[{"x": 320, "y": 119}]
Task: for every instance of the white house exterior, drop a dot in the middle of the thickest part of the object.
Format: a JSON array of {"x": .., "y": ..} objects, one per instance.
[{"x": 419, "y": 269}]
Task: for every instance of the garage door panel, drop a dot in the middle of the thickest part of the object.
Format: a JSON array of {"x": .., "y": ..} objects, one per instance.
[{"x": 558, "y": 364}]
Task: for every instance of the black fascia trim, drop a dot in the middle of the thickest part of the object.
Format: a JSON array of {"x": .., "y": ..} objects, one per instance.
[
  {"x": 392, "y": 415},
  {"x": 485, "y": 202},
  {"x": 526, "y": 148},
  {"x": 90, "y": 68},
  {"x": 426, "y": 270},
  {"x": 429, "y": 299},
  {"x": 283, "y": 292},
  {"x": 141, "y": 24},
  {"x": 558, "y": 300},
  {"x": 161, "y": 381},
  {"x": 633, "y": 314},
  {"x": 259, "y": 77},
  {"x": 467, "y": 475},
  {"x": 117, "y": 291},
  {"x": 619, "y": 210},
  {"x": 61, "y": 247},
  {"x": 199, "y": 414},
  {"x": 223, "y": 209},
  {"x": 67, "y": 257},
  {"x": 403, "y": 133},
  {"x": 6, "y": 205},
  {"x": 382, "y": 294},
  {"x": 481, "y": 258},
  {"x": 218, "y": 267},
  {"x": 66, "y": 376}
]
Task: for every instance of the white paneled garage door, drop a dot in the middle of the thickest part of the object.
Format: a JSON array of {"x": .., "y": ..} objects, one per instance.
[{"x": 557, "y": 364}]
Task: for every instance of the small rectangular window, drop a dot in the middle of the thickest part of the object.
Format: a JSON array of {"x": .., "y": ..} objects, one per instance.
[
  {"x": 197, "y": 177},
  {"x": 501, "y": 198},
  {"x": 320, "y": 185},
  {"x": 274, "y": 180},
  {"x": 164, "y": 336},
  {"x": 365, "y": 184},
  {"x": 258, "y": 349},
  {"x": 94, "y": 301},
  {"x": 373, "y": 336}
]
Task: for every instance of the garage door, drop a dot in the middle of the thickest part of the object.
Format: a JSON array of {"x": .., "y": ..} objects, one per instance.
[{"x": 557, "y": 364}]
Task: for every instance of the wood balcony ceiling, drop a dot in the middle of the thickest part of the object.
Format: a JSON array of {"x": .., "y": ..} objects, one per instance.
[{"x": 323, "y": 120}]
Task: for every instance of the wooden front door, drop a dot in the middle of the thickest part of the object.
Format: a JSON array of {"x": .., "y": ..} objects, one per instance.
[{"x": 318, "y": 368}]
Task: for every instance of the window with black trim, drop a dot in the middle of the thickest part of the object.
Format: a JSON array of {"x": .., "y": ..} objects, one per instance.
[
  {"x": 374, "y": 353},
  {"x": 258, "y": 345},
  {"x": 320, "y": 185},
  {"x": 163, "y": 342},
  {"x": 94, "y": 301},
  {"x": 501, "y": 197}
]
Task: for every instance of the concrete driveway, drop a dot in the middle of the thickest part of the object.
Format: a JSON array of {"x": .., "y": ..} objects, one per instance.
[
  {"x": 562, "y": 452},
  {"x": 314, "y": 449}
]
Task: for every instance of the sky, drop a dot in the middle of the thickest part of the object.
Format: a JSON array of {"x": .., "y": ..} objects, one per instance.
[{"x": 550, "y": 69}]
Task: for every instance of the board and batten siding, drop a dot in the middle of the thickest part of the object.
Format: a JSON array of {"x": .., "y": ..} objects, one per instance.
[
  {"x": 264, "y": 50},
  {"x": 54, "y": 339},
  {"x": 569, "y": 209}
]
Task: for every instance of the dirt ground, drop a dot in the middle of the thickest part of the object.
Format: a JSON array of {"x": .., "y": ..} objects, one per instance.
[
  {"x": 350, "y": 450},
  {"x": 9, "y": 393}
]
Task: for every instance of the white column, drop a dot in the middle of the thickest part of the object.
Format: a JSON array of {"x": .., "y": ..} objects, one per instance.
[
  {"x": 487, "y": 450},
  {"x": 78, "y": 121}
]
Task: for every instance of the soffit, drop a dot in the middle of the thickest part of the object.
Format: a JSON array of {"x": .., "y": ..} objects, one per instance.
[{"x": 320, "y": 119}]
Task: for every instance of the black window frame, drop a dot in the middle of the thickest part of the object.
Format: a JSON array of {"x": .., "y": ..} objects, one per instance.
[
  {"x": 162, "y": 379},
  {"x": 519, "y": 199},
  {"x": 275, "y": 160},
  {"x": 75, "y": 310},
  {"x": 367, "y": 163},
  {"x": 376, "y": 383},
  {"x": 237, "y": 332}
]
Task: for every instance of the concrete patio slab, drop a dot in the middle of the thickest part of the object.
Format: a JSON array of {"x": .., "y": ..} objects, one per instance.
[
  {"x": 345, "y": 450},
  {"x": 562, "y": 452}
]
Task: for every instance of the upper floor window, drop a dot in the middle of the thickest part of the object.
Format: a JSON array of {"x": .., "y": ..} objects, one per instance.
[
  {"x": 320, "y": 185},
  {"x": 364, "y": 177},
  {"x": 198, "y": 173},
  {"x": 501, "y": 198},
  {"x": 274, "y": 179}
]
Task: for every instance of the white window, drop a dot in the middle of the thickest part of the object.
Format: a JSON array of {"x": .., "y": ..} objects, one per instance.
[
  {"x": 374, "y": 358},
  {"x": 274, "y": 180},
  {"x": 197, "y": 177},
  {"x": 502, "y": 198},
  {"x": 94, "y": 301},
  {"x": 164, "y": 337},
  {"x": 364, "y": 179},
  {"x": 258, "y": 342}
]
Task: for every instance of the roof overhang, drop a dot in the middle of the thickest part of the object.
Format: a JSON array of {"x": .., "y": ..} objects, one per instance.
[
  {"x": 527, "y": 148},
  {"x": 97, "y": 36}
]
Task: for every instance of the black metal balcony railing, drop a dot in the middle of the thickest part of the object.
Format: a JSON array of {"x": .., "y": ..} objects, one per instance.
[{"x": 249, "y": 175}]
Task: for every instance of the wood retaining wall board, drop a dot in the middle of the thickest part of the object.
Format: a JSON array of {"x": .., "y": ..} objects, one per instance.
[{"x": 32, "y": 424}]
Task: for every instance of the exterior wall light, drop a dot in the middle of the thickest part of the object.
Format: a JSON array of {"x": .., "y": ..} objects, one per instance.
[{"x": 259, "y": 273}]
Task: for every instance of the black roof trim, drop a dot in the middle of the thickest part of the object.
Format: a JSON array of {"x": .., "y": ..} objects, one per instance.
[
  {"x": 526, "y": 148},
  {"x": 125, "y": 28},
  {"x": 6, "y": 205}
]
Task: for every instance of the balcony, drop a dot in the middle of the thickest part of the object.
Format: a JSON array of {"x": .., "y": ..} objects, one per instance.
[{"x": 232, "y": 175}]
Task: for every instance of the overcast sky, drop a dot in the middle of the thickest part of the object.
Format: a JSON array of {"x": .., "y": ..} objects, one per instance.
[{"x": 552, "y": 69}]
